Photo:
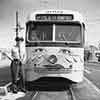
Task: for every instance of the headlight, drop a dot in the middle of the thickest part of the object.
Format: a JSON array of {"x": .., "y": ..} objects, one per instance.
[
  {"x": 52, "y": 59},
  {"x": 65, "y": 51},
  {"x": 39, "y": 50}
]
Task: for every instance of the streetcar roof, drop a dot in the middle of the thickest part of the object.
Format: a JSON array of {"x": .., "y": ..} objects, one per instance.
[{"x": 77, "y": 15}]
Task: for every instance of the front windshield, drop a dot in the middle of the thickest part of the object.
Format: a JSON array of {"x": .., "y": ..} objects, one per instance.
[
  {"x": 68, "y": 32},
  {"x": 40, "y": 32},
  {"x": 60, "y": 32}
]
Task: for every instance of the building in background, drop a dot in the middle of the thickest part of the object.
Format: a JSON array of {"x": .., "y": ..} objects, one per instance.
[{"x": 89, "y": 52}]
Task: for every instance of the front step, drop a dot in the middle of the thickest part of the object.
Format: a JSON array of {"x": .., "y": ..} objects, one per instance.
[{"x": 5, "y": 89}]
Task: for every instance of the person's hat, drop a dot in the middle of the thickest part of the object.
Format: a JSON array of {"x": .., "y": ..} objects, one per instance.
[{"x": 19, "y": 39}]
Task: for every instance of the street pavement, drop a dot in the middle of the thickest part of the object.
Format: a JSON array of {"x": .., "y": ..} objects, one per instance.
[
  {"x": 5, "y": 75},
  {"x": 94, "y": 73},
  {"x": 86, "y": 91}
]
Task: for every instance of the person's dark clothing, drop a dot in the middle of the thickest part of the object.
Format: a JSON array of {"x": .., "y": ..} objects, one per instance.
[{"x": 17, "y": 72}]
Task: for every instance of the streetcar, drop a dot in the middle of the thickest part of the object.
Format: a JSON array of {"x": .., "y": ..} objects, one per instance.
[{"x": 54, "y": 44}]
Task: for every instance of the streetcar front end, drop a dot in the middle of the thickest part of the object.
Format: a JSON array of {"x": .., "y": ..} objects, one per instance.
[{"x": 54, "y": 48}]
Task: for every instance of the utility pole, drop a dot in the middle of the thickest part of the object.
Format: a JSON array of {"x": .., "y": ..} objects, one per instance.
[
  {"x": 58, "y": 4},
  {"x": 43, "y": 3},
  {"x": 17, "y": 24}
]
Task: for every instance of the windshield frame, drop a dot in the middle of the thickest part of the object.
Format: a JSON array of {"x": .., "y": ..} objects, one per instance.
[{"x": 54, "y": 22}]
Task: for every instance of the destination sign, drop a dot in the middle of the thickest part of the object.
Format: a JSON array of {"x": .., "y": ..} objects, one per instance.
[{"x": 49, "y": 17}]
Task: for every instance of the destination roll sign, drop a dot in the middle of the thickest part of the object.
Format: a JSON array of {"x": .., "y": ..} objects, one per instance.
[{"x": 55, "y": 17}]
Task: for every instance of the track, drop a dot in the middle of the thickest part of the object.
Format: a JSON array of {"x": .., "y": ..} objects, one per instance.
[
  {"x": 34, "y": 95},
  {"x": 71, "y": 94},
  {"x": 68, "y": 95}
]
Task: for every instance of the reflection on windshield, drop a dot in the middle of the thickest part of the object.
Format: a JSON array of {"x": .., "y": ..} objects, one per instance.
[
  {"x": 63, "y": 32},
  {"x": 68, "y": 33},
  {"x": 40, "y": 32}
]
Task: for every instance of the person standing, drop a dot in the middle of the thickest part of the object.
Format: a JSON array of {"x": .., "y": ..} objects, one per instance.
[{"x": 18, "y": 57}]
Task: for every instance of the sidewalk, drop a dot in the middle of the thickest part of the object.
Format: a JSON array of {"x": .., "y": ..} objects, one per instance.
[
  {"x": 92, "y": 61},
  {"x": 86, "y": 91}
]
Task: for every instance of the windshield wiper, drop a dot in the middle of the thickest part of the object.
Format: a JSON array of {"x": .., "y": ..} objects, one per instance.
[{"x": 71, "y": 43}]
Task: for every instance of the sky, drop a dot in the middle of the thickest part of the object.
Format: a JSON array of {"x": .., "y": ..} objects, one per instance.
[{"x": 90, "y": 9}]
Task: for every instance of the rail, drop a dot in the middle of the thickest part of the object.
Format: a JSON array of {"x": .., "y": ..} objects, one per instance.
[
  {"x": 69, "y": 94},
  {"x": 34, "y": 95}
]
